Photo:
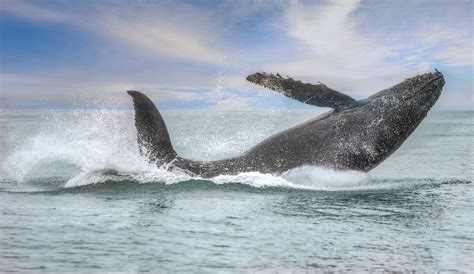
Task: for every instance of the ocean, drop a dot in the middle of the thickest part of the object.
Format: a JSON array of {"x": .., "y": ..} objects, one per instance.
[{"x": 75, "y": 195}]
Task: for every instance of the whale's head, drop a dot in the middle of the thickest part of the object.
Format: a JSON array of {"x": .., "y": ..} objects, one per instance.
[
  {"x": 413, "y": 97},
  {"x": 380, "y": 124}
]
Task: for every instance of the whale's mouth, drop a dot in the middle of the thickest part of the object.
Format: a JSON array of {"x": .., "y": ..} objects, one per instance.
[
  {"x": 431, "y": 92},
  {"x": 428, "y": 92}
]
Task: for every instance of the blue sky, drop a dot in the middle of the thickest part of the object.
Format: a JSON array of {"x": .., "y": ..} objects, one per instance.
[{"x": 196, "y": 54}]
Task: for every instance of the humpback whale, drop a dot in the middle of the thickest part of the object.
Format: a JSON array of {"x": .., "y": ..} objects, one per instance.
[{"x": 354, "y": 135}]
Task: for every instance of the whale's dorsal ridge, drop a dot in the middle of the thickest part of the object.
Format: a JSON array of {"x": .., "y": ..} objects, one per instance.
[{"x": 318, "y": 95}]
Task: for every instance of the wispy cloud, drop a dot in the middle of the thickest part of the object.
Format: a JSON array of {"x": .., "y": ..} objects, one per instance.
[
  {"x": 50, "y": 89},
  {"x": 165, "y": 40},
  {"x": 181, "y": 33},
  {"x": 31, "y": 11}
]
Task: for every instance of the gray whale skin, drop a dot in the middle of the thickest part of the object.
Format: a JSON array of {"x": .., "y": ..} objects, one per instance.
[{"x": 355, "y": 135}]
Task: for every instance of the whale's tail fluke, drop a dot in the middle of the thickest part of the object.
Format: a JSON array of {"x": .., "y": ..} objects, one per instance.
[{"x": 153, "y": 138}]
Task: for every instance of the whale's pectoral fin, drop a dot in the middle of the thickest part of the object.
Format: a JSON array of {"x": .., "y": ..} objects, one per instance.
[
  {"x": 317, "y": 95},
  {"x": 152, "y": 134}
]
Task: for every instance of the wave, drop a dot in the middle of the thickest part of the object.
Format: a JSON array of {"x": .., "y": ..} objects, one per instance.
[
  {"x": 311, "y": 178},
  {"x": 303, "y": 178}
]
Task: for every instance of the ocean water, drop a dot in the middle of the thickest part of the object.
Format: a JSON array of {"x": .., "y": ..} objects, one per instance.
[{"x": 75, "y": 195}]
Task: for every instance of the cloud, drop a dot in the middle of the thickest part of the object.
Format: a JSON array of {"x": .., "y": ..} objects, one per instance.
[
  {"x": 165, "y": 40},
  {"x": 335, "y": 49},
  {"x": 35, "y": 12},
  {"x": 44, "y": 89},
  {"x": 456, "y": 55},
  {"x": 53, "y": 90},
  {"x": 442, "y": 44},
  {"x": 332, "y": 50},
  {"x": 181, "y": 32}
]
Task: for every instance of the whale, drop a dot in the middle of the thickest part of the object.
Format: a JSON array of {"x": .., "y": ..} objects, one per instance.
[{"x": 353, "y": 135}]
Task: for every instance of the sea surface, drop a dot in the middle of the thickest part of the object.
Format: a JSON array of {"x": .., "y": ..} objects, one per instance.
[{"x": 75, "y": 195}]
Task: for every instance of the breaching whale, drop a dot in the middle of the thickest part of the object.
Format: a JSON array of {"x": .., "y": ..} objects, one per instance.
[{"x": 355, "y": 135}]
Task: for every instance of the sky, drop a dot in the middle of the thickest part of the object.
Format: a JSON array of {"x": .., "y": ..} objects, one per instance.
[{"x": 196, "y": 54}]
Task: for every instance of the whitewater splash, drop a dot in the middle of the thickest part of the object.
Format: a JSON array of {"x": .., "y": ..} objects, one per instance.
[
  {"x": 312, "y": 178},
  {"x": 78, "y": 141},
  {"x": 304, "y": 178}
]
